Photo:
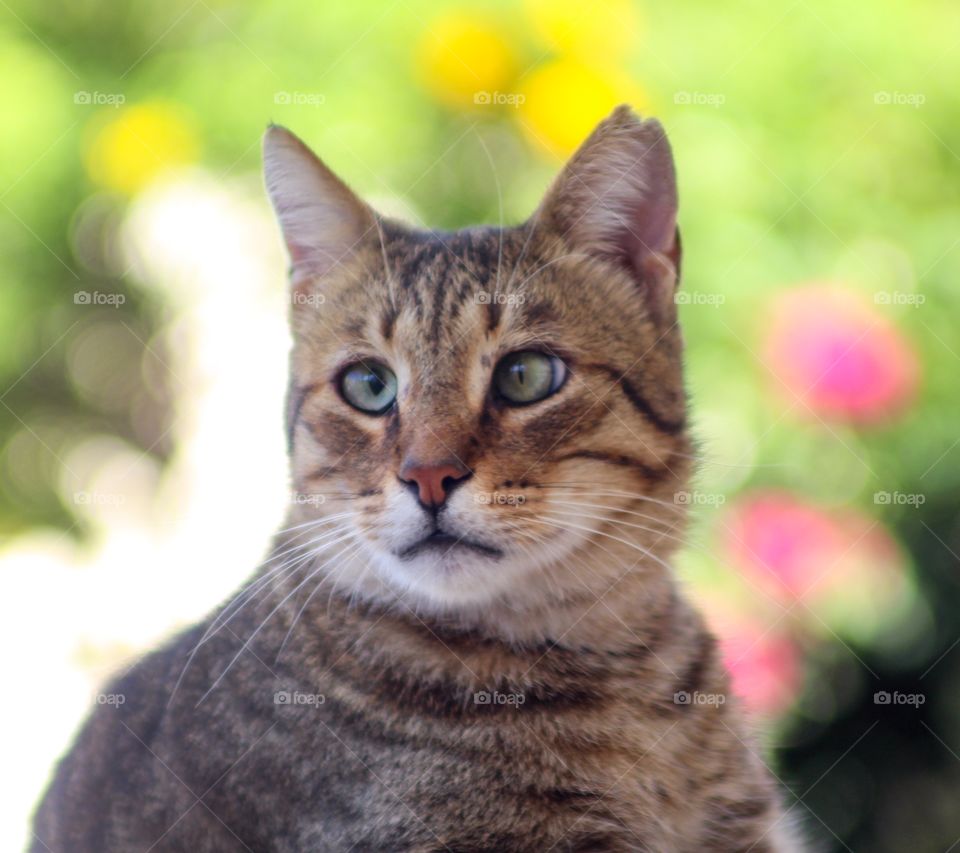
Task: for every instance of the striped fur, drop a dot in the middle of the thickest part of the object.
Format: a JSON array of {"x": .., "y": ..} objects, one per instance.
[{"x": 525, "y": 694}]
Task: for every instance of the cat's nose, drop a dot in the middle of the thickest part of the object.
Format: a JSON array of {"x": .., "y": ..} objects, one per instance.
[{"x": 433, "y": 482}]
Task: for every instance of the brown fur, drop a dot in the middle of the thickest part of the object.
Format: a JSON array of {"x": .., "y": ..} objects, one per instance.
[{"x": 578, "y": 621}]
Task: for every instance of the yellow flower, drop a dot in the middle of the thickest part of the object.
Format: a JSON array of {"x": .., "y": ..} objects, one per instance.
[
  {"x": 601, "y": 30},
  {"x": 462, "y": 57},
  {"x": 564, "y": 100},
  {"x": 141, "y": 141}
]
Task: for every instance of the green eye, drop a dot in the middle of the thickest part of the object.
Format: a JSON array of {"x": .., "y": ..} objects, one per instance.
[
  {"x": 369, "y": 387},
  {"x": 526, "y": 377}
]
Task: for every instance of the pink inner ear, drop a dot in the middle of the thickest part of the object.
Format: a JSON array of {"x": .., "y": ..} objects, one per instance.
[
  {"x": 651, "y": 230},
  {"x": 321, "y": 219},
  {"x": 663, "y": 221},
  {"x": 617, "y": 199},
  {"x": 651, "y": 225},
  {"x": 645, "y": 241}
]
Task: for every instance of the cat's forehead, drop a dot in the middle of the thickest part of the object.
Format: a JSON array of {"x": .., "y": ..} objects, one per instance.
[
  {"x": 450, "y": 288},
  {"x": 464, "y": 263}
]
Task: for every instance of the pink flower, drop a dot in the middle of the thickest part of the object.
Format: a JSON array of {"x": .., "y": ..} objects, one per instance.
[
  {"x": 839, "y": 355},
  {"x": 764, "y": 667},
  {"x": 796, "y": 550}
]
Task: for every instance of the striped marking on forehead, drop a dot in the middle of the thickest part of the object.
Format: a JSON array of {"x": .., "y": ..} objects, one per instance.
[{"x": 441, "y": 273}]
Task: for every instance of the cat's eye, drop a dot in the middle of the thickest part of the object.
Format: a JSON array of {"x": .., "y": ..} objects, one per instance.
[
  {"x": 369, "y": 386},
  {"x": 527, "y": 377}
]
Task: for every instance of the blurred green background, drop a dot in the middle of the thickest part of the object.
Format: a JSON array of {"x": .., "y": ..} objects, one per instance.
[{"x": 819, "y": 164}]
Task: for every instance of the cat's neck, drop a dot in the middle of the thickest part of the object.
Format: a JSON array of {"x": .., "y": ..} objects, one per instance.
[{"x": 605, "y": 600}]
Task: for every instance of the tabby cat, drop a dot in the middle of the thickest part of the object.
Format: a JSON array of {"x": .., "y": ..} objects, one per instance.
[{"x": 468, "y": 636}]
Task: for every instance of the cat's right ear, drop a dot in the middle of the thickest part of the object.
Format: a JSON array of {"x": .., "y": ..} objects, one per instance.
[
  {"x": 616, "y": 199},
  {"x": 322, "y": 220}
]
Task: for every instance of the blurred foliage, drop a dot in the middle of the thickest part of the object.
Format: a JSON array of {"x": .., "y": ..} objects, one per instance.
[{"x": 817, "y": 145}]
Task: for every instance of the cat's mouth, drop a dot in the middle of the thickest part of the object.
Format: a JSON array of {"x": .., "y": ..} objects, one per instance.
[{"x": 443, "y": 542}]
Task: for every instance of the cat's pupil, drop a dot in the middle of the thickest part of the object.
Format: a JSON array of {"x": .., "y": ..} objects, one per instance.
[
  {"x": 376, "y": 384},
  {"x": 519, "y": 371}
]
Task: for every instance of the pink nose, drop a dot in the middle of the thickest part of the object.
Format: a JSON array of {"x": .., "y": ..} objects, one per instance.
[{"x": 433, "y": 482}]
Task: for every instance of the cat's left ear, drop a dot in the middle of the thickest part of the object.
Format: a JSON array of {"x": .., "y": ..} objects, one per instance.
[
  {"x": 322, "y": 220},
  {"x": 617, "y": 199}
]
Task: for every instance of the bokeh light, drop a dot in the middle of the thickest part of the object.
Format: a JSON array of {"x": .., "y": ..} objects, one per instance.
[
  {"x": 138, "y": 143},
  {"x": 463, "y": 56},
  {"x": 840, "y": 356}
]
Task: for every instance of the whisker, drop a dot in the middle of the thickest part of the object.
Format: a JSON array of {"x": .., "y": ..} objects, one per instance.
[
  {"x": 663, "y": 533},
  {"x": 563, "y": 524},
  {"x": 243, "y": 598},
  {"x": 259, "y": 628},
  {"x": 601, "y": 492},
  {"x": 590, "y": 505},
  {"x": 287, "y": 560},
  {"x": 345, "y": 553},
  {"x": 312, "y": 522},
  {"x": 496, "y": 181}
]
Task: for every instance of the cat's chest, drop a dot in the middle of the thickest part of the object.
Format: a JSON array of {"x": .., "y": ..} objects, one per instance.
[
  {"x": 388, "y": 761},
  {"x": 507, "y": 785}
]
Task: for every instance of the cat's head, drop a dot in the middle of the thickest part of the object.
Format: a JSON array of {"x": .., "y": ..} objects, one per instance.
[{"x": 494, "y": 414}]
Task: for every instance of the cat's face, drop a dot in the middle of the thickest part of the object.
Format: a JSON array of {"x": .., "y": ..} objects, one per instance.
[{"x": 492, "y": 413}]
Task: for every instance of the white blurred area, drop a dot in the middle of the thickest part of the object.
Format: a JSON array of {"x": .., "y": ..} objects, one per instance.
[{"x": 168, "y": 545}]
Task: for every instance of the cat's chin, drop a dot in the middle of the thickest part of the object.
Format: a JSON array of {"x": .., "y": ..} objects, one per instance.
[
  {"x": 445, "y": 580},
  {"x": 464, "y": 575}
]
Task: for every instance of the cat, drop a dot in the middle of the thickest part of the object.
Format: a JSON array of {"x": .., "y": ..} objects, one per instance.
[{"x": 468, "y": 636}]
